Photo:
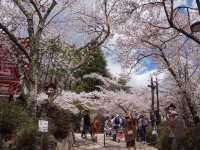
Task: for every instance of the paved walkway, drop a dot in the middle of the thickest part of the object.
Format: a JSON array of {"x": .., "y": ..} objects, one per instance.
[{"x": 110, "y": 145}]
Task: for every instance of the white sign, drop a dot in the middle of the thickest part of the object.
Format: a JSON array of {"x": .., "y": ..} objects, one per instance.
[{"x": 43, "y": 125}]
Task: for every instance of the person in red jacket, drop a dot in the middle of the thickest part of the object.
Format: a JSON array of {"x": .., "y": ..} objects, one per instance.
[{"x": 95, "y": 128}]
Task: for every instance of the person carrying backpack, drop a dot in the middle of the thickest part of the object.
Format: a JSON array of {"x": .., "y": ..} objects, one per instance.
[
  {"x": 142, "y": 124},
  {"x": 117, "y": 123}
]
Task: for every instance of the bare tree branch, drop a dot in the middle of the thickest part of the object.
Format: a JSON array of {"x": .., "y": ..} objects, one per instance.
[
  {"x": 15, "y": 41},
  {"x": 36, "y": 9},
  {"x": 53, "y": 4},
  {"x": 172, "y": 25},
  {"x": 28, "y": 16}
]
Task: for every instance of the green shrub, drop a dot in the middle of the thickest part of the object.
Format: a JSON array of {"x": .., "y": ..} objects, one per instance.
[
  {"x": 163, "y": 141},
  {"x": 60, "y": 121},
  {"x": 18, "y": 127},
  {"x": 149, "y": 135},
  {"x": 12, "y": 118},
  {"x": 192, "y": 141}
]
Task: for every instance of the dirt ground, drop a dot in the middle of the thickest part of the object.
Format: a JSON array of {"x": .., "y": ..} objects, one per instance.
[{"x": 88, "y": 144}]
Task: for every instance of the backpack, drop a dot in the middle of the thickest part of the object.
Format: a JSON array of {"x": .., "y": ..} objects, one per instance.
[
  {"x": 154, "y": 132},
  {"x": 117, "y": 120},
  {"x": 144, "y": 122}
]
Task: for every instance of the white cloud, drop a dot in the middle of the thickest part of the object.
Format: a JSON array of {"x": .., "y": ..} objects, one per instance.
[
  {"x": 114, "y": 68},
  {"x": 142, "y": 80},
  {"x": 137, "y": 80}
]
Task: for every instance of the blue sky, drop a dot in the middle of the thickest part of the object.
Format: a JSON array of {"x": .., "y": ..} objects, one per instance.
[
  {"x": 189, "y": 2},
  {"x": 148, "y": 65},
  {"x": 139, "y": 78},
  {"x": 142, "y": 76}
]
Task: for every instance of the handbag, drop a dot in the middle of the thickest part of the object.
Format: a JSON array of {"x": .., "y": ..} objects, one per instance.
[{"x": 130, "y": 132}]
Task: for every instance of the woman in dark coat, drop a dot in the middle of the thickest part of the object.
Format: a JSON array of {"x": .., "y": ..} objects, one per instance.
[{"x": 130, "y": 131}]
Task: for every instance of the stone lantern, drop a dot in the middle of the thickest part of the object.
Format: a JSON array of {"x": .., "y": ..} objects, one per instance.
[{"x": 51, "y": 91}]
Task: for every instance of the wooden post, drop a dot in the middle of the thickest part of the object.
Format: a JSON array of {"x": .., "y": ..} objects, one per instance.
[
  {"x": 157, "y": 95},
  {"x": 152, "y": 94},
  {"x": 158, "y": 117},
  {"x": 104, "y": 139},
  {"x": 152, "y": 114},
  {"x": 41, "y": 146}
]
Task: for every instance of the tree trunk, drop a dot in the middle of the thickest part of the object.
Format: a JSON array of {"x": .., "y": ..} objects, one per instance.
[
  {"x": 25, "y": 89},
  {"x": 190, "y": 105},
  {"x": 33, "y": 75},
  {"x": 32, "y": 97},
  {"x": 67, "y": 143},
  {"x": 181, "y": 86}
]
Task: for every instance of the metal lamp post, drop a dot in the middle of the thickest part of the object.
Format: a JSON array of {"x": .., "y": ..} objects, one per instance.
[
  {"x": 195, "y": 27},
  {"x": 104, "y": 137}
]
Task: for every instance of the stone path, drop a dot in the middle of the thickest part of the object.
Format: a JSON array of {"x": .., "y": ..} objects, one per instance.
[{"x": 110, "y": 145}]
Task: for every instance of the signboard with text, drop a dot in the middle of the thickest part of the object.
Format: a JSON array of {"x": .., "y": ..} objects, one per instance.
[{"x": 43, "y": 125}]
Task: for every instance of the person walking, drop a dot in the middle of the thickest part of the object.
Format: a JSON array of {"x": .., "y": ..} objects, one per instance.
[
  {"x": 117, "y": 124},
  {"x": 142, "y": 124},
  {"x": 107, "y": 126},
  {"x": 94, "y": 129},
  {"x": 82, "y": 127},
  {"x": 86, "y": 125},
  {"x": 178, "y": 130},
  {"x": 130, "y": 131}
]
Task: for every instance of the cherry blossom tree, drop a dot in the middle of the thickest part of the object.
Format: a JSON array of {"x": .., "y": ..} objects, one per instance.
[
  {"x": 36, "y": 20},
  {"x": 163, "y": 35},
  {"x": 107, "y": 100}
]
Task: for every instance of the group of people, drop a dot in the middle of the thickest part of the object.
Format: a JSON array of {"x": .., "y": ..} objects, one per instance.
[
  {"x": 89, "y": 127},
  {"x": 133, "y": 127}
]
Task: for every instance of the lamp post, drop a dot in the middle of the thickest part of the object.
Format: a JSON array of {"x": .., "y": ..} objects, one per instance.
[
  {"x": 195, "y": 27},
  {"x": 104, "y": 137}
]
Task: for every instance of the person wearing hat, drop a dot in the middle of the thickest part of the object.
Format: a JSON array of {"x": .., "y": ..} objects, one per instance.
[
  {"x": 130, "y": 131},
  {"x": 170, "y": 120},
  {"x": 177, "y": 129}
]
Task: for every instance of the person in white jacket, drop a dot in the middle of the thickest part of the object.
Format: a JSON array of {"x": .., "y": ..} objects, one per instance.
[{"x": 116, "y": 124}]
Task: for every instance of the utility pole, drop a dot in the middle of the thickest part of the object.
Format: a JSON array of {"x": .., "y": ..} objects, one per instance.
[
  {"x": 152, "y": 86},
  {"x": 158, "y": 117},
  {"x": 152, "y": 114},
  {"x": 158, "y": 104}
]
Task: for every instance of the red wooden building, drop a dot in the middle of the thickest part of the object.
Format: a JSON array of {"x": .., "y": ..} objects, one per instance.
[{"x": 9, "y": 77}]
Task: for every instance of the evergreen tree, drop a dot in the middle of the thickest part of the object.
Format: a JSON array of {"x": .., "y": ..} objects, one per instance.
[{"x": 95, "y": 64}]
